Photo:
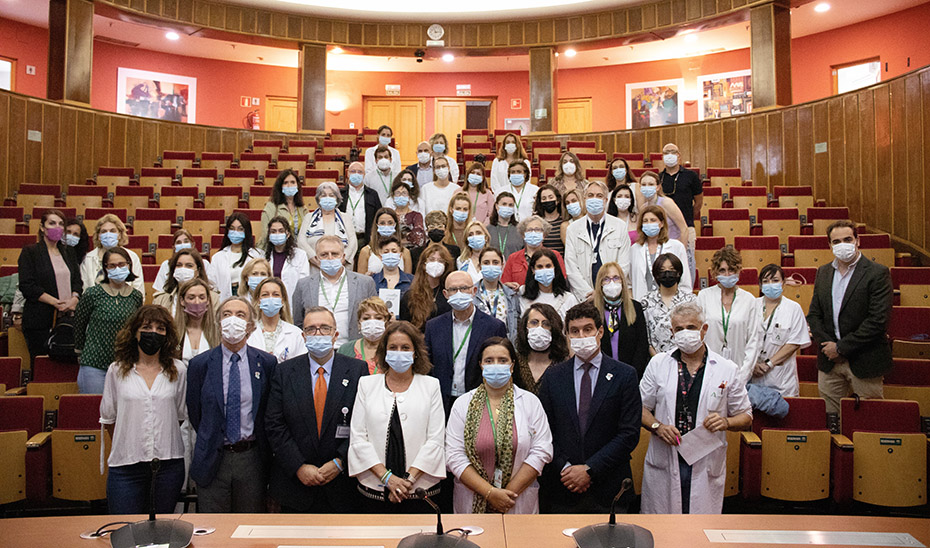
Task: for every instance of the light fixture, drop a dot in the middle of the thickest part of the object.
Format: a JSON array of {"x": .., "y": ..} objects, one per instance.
[
  {"x": 448, "y": 57},
  {"x": 822, "y": 7},
  {"x": 691, "y": 38},
  {"x": 171, "y": 35},
  {"x": 570, "y": 53},
  {"x": 336, "y": 50}
]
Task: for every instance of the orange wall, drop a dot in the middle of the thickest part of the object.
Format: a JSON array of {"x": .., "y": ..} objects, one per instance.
[{"x": 29, "y": 46}]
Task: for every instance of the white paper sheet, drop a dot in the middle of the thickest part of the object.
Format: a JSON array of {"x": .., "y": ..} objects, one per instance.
[
  {"x": 698, "y": 443},
  {"x": 391, "y": 298}
]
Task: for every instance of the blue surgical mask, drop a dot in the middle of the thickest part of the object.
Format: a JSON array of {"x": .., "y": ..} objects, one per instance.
[
  {"x": 505, "y": 212},
  {"x": 491, "y": 272},
  {"x": 289, "y": 191},
  {"x": 386, "y": 230},
  {"x": 595, "y": 206},
  {"x": 728, "y": 281},
  {"x": 619, "y": 173},
  {"x": 179, "y": 247},
  {"x": 651, "y": 229},
  {"x": 109, "y": 239},
  {"x": 390, "y": 260},
  {"x": 330, "y": 266},
  {"x": 398, "y": 360},
  {"x": 533, "y": 238},
  {"x": 474, "y": 179},
  {"x": 496, "y": 375},
  {"x": 401, "y": 201},
  {"x": 476, "y": 242},
  {"x": 384, "y": 140},
  {"x": 460, "y": 216},
  {"x": 71, "y": 240},
  {"x": 328, "y": 203},
  {"x": 772, "y": 290},
  {"x": 460, "y": 301},
  {"x": 254, "y": 281},
  {"x": 439, "y": 148},
  {"x": 356, "y": 178},
  {"x": 270, "y": 305},
  {"x": 319, "y": 345},
  {"x": 545, "y": 276},
  {"x": 236, "y": 236},
  {"x": 516, "y": 179},
  {"x": 574, "y": 209},
  {"x": 648, "y": 191},
  {"x": 277, "y": 238},
  {"x": 118, "y": 274}
]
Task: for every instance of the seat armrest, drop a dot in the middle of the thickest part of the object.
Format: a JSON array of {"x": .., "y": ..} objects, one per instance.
[
  {"x": 750, "y": 438},
  {"x": 39, "y": 440},
  {"x": 841, "y": 441},
  {"x": 19, "y": 391}
]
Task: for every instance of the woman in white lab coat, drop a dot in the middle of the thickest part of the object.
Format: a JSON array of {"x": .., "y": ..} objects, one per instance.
[
  {"x": 652, "y": 241},
  {"x": 288, "y": 262},
  {"x": 494, "y": 472},
  {"x": 721, "y": 404},
  {"x": 237, "y": 249},
  {"x": 275, "y": 331},
  {"x": 510, "y": 150},
  {"x": 182, "y": 240}
]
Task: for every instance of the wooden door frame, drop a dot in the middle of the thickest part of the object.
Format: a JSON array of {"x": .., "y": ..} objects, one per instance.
[
  {"x": 366, "y": 98},
  {"x": 492, "y": 116},
  {"x": 281, "y": 98},
  {"x": 589, "y": 100}
]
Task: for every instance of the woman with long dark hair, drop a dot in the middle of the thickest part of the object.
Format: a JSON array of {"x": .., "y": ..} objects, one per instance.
[
  {"x": 545, "y": 283},
  {"x": 286, "y": 201},
  {"x": 540, "y": 344},
  {"x": 425, "y": 298},
  {"x": 237, "y": 249},
  {"x": 288, "y": 262}
]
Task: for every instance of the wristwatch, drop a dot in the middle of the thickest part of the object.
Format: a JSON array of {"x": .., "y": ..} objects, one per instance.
[
  {"x": 769, "y": 363},
  {"x": 655, "y": 426}
]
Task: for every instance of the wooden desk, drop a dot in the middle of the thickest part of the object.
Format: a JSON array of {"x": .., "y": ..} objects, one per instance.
[
  {"x": 63, "y": 532},
  {"x": 688, "y": 531}
]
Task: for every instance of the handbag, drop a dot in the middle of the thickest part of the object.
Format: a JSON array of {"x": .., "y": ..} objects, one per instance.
[{"x": 61, "y": 338}]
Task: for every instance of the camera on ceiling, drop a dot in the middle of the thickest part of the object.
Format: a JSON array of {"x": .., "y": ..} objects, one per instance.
[{"x": 419, "y": 54}]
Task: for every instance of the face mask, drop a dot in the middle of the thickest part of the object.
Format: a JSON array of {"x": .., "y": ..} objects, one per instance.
[
  {"x": 384, "y": 164},
  {"x": 688, "y": 340},
  {"x": 254, "y": 281},
  {"x": 382, "y": 140},
  {"x": 423, "y": 157},
  {"x": 289, "y": 191},
  {"x": 648, "y": 191},
  {"x": 549, "y": 207},
  {"x": 109, "y": 239},
  {"x": 234, "y": 329},
  {"x": 595, "y": 206},
  {"x": 319, "y": 346},
  {"x": 182, "y": 274},
  {"x": 533, "y": 238},
  {"x": 55, "y": 233},
  {"x": 390, "y": 260},
  {"x": 439, "y": 148},
  {"x": 196, "y": 309},
  {"x": 505, "y": 212},
  {"x": 544, "y": 276},
  {"x": 118, "y": 274},
  {"x": 772, "y": 291},
  {"x": 356, "y": 179},
  {"x": 331, "y": 267},
  {"x": 236, "y": 236},
  {"x": 436, "y": 234},
  {"x": 475, "y": 178},
  {"x": 728, "y": 282},
  {"x": 328, "y": 203},
  {"x": 434, "y": 269},
  {"x": 386, "y": 230},
  {"x": 574, "y": 209},
  {"x": 460, "y": 216},
  {"x": 442, "y": 172},
  {"x": 372, "y": 329},
  {"x": 71, "y": 240},
  {"x": 569, "y": 168},
  {"x": 277, "y": 238},
  {"x": 670, "y": 160},
  {"x": 151, "y": 342},
  {"x": 516, "y": 179},
  {"x": 476, "y": 242},
  {"x": 399, "y": 360},
  {"x": 401, "y": 201},
  {"x": 510, "y": 148},
  {"x": 496, "y": 375},
  {"x": 539, "y": 338},
  {"x": 623, "y": 204},
  {"x": 668, "y": 278},
  {"x": 619, "y": 173},
  {"x": 844, "y": 252},
  {"x": 179, "y": 247},
  {"x": 491, "y": 272},
  {"x": 651, "y": 229},
  {"x": 585, "y": 347},
  {"x": 612, "y": 290},
  {"x": 460, "y": 301},
  {"x": 270, "y": 305}
]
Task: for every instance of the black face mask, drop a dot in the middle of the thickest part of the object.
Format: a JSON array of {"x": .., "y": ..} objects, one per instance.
[
  {"x": 436, "y": 234},
  {"x": 549, "y": 207},
  {"x": 668, "y": 278},
  {"x": 151, "y": 342}
]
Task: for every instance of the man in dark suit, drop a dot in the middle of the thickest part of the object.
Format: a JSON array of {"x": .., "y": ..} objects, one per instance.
[
  {"x": 360, "y": 202},
  {"x": 849, "y": 317},
  {"x": 453, "y": 339},
  {"x": 595, "y": 424},
  {"x": 310, "y": 449},
  {"x": 227, "y": 392}
]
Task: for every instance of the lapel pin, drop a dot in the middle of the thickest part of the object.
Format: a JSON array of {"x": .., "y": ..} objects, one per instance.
[
  {"x": 258, "y": 375},
  {"x": 345, "y": 382},
  {"x": 609, "y": 376},
  {"x": 723, "y": 385}
]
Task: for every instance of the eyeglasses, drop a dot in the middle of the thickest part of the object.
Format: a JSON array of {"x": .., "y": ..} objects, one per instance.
[
  {"x": 614, "y": 279},
  {"x": 319, "y": 330},
  {"x": 454, "y": 290}
]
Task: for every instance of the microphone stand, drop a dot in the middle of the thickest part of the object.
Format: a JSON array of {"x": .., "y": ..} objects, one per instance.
[
  {"x": 612, "y": 534},
  {"x": 155, "y": 464}
]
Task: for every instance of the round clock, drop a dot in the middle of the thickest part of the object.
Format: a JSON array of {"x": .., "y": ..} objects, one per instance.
[{"x": 435, "y": 31}]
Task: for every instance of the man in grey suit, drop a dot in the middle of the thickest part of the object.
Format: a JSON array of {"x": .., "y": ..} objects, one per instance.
[{"x": 333, "y": 287}]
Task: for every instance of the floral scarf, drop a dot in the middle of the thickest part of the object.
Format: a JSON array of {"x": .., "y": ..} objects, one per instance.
[{"x": 503, "y": 440}]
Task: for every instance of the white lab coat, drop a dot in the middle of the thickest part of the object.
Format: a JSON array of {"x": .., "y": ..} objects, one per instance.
[
  {"x": 372, "y": 165},
  {"x": 788, "y": 326},
  {"x": 640, "y": 266},
  {"x": 162, "y": 276},
  {"x": 500, "y": 174},
  {"x": 222, "y": 266},
  {"x": 525, "y": 199},
  {"x": 534, "y": 447},
  {"x": 380, "y": 183},
  {"x": 744, "y": 335},
  {"x": 296, "y": 267},
  {"x": 289, "y": 344},
  {"x": 661, "y": 480},
  {"x": 92, "y": 270},
  {"x": 579, "y": 252}
]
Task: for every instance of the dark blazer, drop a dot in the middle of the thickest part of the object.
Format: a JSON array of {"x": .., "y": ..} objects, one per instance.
[
  {"x": 372, "y": 205},
  {"x": 290, "y": 424},
  {"x": 864, "y": 318},
  {"x": 439, "y": 343},
  {"x": 604, "y": 444},
  {"x": 207, "y": 411},
  {"x": 36, "y": 276},
  {"x": 633, "y": 344}
]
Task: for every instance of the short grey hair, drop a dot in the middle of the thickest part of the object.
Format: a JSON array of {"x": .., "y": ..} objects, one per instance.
[
  {"x": 521, "y": 226},
  {"x": 599, "y": 183},
  {"x": 688, "y": 310},
  {"x": 243, "y": 300},
  {"x": 331, "y": 186},
  {"x": 329, "y": 238}
]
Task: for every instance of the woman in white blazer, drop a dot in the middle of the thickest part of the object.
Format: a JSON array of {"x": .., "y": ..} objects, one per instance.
[
  {"x": 722, "y": 404},
  {"x": 652, "y": 241},
  {"x": 493, "y": 423},
  {"x": 109, "y": 232},
  {"x": 510, "y": 150},
  {"x": 275, "y": 331},
  {"x": 288, "y": 262},
  {"x": 237, "y": 249},
  {"x": 397, "y": 439}
]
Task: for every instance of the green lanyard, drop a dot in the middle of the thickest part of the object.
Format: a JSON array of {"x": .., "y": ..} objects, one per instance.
[
  {"x": 338, "y": 293},
  {"x": 462, "y": 343},
  {"x": 502, "y": 243},
  {"x": 522, "y": 192},
  {"x": 362, "y": 345},
  {"x": 355, "y": 205},
  {"x": 768, "y": 326},
  {"x": 487, "y": 403},
  {"x": 384, "y": 183},
  {"x": 726, "y": 318}
]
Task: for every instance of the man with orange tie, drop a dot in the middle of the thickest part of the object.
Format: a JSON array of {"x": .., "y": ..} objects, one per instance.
[{"x": 310, "y": 440}]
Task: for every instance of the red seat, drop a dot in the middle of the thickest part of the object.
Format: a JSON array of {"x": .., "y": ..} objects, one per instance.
[
  {"x": 11, "y": 372},
  {"x": 910, "y": 323},
  {"x": 910, "y": 275},
  {"x": 823, "y": 217},
  {"x": 79, "y": 411},
  {"x": 239, "y": 174},
  {"x": 28, "y": 413},
  {"x": 47, "y": 369}
]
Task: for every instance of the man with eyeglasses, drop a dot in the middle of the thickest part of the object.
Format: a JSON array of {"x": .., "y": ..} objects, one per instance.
[
  {"x": 308, "y": 474},
  {"x": 684, "y": 187},
  {"x": 595, "y": 424}
]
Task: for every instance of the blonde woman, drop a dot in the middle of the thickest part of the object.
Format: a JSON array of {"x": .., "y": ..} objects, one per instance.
[
  {"x": 476, "y": 239},
  {"x": 109, "y": 232},
  {"x": 386, "y": 226},
  {"x": 458, "y": 215},
  {"x": 510, "y": 150},
  {"x": 373, "y": 318},
  {"x": 625, "y": 336},
  {"x": 438, "y": 193},
  {"x": 574, "y": 210},
  {"x": 569, "y": 175},
  {"x": 275, "y": 331},
  {"x": 195, "y": 318},
  {"x": 252, "y": 275},
  {"x": 479, "y": 194},
  {"x": 185, "y": 265}
]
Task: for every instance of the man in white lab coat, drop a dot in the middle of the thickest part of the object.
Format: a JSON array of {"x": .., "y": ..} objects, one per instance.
[
  {"x": 385, "y": 135},
  {"x": 691, "y": 397}
]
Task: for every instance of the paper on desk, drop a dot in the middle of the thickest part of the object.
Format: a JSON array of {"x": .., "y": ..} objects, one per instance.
[{"x": 698, "y": 443}]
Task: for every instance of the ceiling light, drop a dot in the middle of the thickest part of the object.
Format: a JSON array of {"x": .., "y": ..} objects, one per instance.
[
  {"x": 691, "y": 38},
  {"x": 822, "y": 7},
  {"x": 337, "y": 50},
  {"x": 570, "y": 53},
  {"x": 448, "y": 57},
  {"x": 171, "y": 35}
]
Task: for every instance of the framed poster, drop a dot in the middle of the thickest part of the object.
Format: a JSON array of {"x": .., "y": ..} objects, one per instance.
[
  {"x": 726, "y": 94},
  {"x": 652, "y": 104},
  {"x": 522, "y": 124},
  {"x": 156, "y": 95}
]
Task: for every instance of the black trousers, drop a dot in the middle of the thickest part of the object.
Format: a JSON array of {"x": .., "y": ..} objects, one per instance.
[{"x": 36, "y": 342}]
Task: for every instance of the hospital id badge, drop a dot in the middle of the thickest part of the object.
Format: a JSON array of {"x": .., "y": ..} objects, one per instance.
[
  {"x": 498, "y": 477},
  {"x": 725, "y": 352},
  {"x": 342, "y": 432}
]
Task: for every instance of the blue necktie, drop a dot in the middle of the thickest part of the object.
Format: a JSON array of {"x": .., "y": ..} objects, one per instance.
[{"x": 233, "y": 397}]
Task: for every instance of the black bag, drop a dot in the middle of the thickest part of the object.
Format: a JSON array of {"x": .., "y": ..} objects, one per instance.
[{"x": 61, "y": 339}]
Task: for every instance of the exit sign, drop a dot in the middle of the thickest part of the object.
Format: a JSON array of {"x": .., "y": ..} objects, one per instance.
[{"x": 516, "y": 104}]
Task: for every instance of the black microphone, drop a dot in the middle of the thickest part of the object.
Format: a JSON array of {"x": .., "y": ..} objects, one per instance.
[
  {"x": 155, "y": 464},
  {"x": 624, "y": 487},
  {"x": 421, "y": 494}
]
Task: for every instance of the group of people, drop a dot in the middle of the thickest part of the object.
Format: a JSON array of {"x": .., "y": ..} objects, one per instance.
[{"x": 412, "y": 336}]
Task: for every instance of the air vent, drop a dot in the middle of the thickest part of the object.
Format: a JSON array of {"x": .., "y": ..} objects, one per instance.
[{"x": 117, "y": 42}]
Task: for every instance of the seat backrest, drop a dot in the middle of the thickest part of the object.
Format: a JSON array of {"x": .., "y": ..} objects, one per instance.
[
  {"x": 46, "y": 369},
  {"x": 803, "y": 414},
  {"x": 79, "y": 411},
  {"x": 22, "y": 413},
  {"x": 10, "y": 371},
  {"x": 896, "y": 416}
]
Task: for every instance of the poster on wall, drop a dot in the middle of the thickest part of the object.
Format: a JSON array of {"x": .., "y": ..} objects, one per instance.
[
  {"x": 724, "y": 95},
  {"x": 155, "y": 95},
  {"x": 521, "y": 124},
  {"x": 652, "y": 104}
]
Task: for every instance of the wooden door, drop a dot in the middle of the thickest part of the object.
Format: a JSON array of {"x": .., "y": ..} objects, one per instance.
[
  {"x": 281, "y": 113},
  {"x": 450, "y": 120},
  {"x": 575, "y": 115},
  {"x": 407, "y": 117}
]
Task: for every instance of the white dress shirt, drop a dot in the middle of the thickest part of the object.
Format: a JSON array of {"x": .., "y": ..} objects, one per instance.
[
  {"x": 187, "y": 351},
  {"x": 380, "y": 183},
  {"x": 840, "y": 283},
  {"x": 246, "y": 421},
  {"x": 372, "y": 165},
  {"x": 437, "y": 199},
  {"x": 641, "y": 267},
  {"x": 461, "y": 334},
  {"x": 338, "y": 303},
  {"x": 355, "y": 206}
]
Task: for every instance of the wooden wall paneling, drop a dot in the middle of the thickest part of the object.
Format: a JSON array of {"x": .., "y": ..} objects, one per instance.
[
  {"x": 653, "y": 140},
  {"x": 233, "y": 20},
  {"x": 836, "y": 152},
  {"x": 649, "y": 14},
  {"x": 682, "y": 138},
  {"x": 84, "y": 144},
  {"x": 202, "y": 14},
  {"x": 916, "y": 218},
  {"x": 186, "y": 10},
  {"x": 775, "y": 163},
  {"x": 67, "y": 149},
  {"x": 806, "y": 173},
  {"x": 279, "y": 25},
  {"x": 182, "y": 137},
  {"x": 699, "y": 146},
  {"x": 634, "y": 17},
  {"x": 213, "y": 140},
  {"x": 101, "y": 139},
  {"x": 165, "y": 138},
  {"x": 789, "y": 155},
  {"x": 883, "y": 158},
  {"x": 118, "y": 141},
  {"x": 169, "y": 8},
  {"x": 229, "y": 142},
  {"x": 868, "y": 170},
  {"x": 714, "y": 144},
  {"x": 853, "y": 155},
  {"x": 5, "y": 183},
  {"x": 33, "y": 150},
  {"x": 925, "y": 110},
  {"x": 661, "y": 16},
  {"x": 820, "y": 176},
  {"x": 637, "y": 141},
  {"x": 134, "y": 142},
  {"x": 760, "y": 172},
  {"x": 680, "y": 10},
  {"x": 51, "y": 148},
  {"x": 247, "y": 21},
  {"x": 744, "y": 147},
  {"x": 150, "y": 150},
  {"x": 669, "y": 134},
  {"x": 729, "y": 145},
  {"x": 899, "y": 157}
]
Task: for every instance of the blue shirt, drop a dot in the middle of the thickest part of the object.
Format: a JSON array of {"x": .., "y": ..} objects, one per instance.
[
  {"x": 327, "y": 369},
  {"x": 247, "y": 422}
]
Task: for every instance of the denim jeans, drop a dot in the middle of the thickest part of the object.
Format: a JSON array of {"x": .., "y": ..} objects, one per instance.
[
  {"x": 128, "y": 487},
  {"x": 90, "y": 380}
]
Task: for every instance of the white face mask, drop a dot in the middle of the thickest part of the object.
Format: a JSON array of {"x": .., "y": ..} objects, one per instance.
[
  {"x": 234, "y": 329},
  {"x": 688, "y": 340},
  {"x": 384, "y": 164},
  {"x": 435, "y": 268},
  {"x": 612, "y": 290},
  {"x": 585, "y": 347},
  {"x": 623, "y": 204},
  {"x": 372, "y": 329},
  {"x": 539, "y": 338},
  {"x": 844, "y": 252},
  {"x": 569, "y": 168},
  {"x": 442, "y": 172},
  {"x": 182, "y": 274},
  {"x": 510, "y": 148},
  {"x": 423, "y": 157}
]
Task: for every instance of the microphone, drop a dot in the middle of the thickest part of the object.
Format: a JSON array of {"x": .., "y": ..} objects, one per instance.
[
  {"x": 624, "y": 487},
  {"x": 440, "y": 539},
  {"x": 421, "y": 494},
  {"x": 155, "y": 464},
  {"x": 613, "y": 534},
  {"x": 172, "y": 533}
]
